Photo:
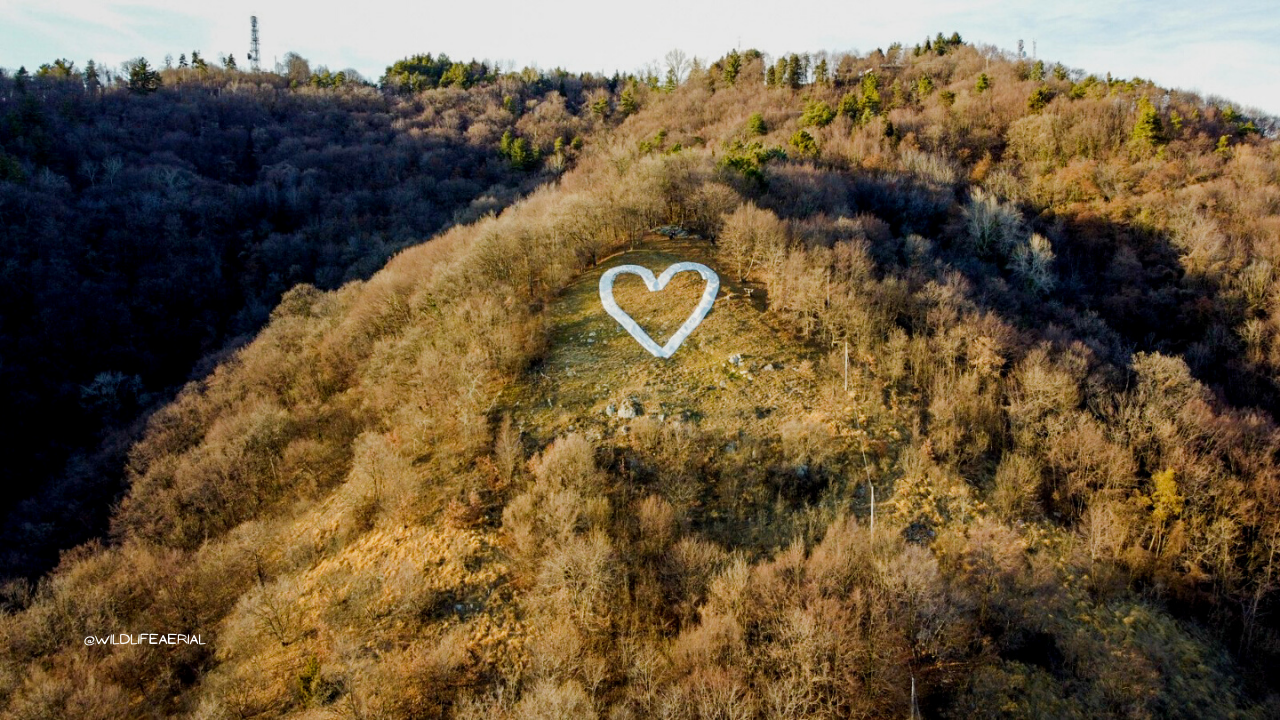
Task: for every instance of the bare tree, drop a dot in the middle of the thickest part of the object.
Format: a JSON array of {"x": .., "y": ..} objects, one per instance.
[{"x": 677, "y": 65}]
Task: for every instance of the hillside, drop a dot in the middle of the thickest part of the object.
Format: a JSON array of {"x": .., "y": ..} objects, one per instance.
[
  {"x": 146, "y": 234},
  {"x": 415, "y": 496}
]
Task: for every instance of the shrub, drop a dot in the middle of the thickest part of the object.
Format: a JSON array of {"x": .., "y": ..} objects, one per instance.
[
  {"x": 804, "y": 143},
  {"x": 817, "y": 114}
]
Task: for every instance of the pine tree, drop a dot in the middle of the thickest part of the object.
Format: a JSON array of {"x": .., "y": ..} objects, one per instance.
[
  {"x": 817, "y": 114},
  {"x": 756, "y": 125},
  {"x": 732, "y": 66},
  {"x": 1148, "y": 131},
  {"x": 803, "y": 142},
  {"x": 1039, "y": 98},
  {"x": 600, "y": 108},
  {"x": 848, "y": 105},
  {"x": 230, "y": 62},
  {"x": 627, "y": 101},
  {"x": 671, "y": 82},
  {"x": 61, "y": 68},
  {"x": 142, "y": 79},
  {"x": 182, "y": 60},
  {"x": 91, "y": 80},
  {"x": 795, "y": 72},
  {"x": 1037, "y": 71},
  {"x": 983, "y": 84},
  {"x": 869, "y": 104},
  {"x": 820, "y": 72},
  {"x": 924, "y": 86}
]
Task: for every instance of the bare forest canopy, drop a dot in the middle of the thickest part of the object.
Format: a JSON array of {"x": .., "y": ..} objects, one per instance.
[
  {"x": 1034, "y": 313},
  {"x": 147, "y": 227}
]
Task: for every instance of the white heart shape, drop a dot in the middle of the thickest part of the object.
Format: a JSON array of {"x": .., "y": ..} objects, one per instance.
[{"x": 654, "y": 285}]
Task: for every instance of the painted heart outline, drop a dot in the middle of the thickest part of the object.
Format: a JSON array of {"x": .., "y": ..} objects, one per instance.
[{"x": 654, "y": 285}]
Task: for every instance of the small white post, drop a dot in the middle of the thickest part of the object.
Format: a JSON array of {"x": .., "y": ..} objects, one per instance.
[
  {"x": 913, "y": 697},
  {"x": 872, "y": 488}
]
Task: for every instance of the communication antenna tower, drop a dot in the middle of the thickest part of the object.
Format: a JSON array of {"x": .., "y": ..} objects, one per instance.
[{"x": 254, "y": 56}]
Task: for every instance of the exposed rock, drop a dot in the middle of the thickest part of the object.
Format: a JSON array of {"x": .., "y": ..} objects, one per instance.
[
  {"x": 610, "y": 409},
  {"x": 630, "y": 409},
  {"x": 768, "y": 368},
  {"x": 735, "y": 359}
]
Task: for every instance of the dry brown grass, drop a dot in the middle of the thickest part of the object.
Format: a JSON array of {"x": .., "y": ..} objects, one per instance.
[{"x": 592, "y": 362}]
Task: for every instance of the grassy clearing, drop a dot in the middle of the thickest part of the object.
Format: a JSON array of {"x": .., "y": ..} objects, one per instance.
[{"x": 593, "y": 362}]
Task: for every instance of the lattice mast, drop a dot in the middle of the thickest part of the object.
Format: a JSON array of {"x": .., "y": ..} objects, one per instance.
[{"x": 254, "y": 55}]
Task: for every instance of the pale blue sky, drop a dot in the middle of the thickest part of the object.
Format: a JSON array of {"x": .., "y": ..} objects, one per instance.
[{"x": 1232, "y": 51}]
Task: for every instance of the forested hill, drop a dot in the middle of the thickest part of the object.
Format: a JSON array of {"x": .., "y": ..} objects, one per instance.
[
  {"x": 152, "y": 221},
  {"x": 982, "y": 425}
]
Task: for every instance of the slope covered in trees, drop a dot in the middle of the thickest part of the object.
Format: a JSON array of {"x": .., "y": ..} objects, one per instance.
[
  {"x": 407, "y": 497},
  {"x": 156, "y": 220}
]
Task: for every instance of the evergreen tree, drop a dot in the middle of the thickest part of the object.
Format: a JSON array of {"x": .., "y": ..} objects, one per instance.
[
  {"x": 182, "y": 60},
  {"x": 230, "y": 62},
  {"x": 898, "y": 96},
  {"x": 771, "y": 76},
  {"x": 804, "y": 143},
  {"x": 91, "y": 81},
  {"x": 455, "y": 76},
  {"x": 732, "y": 66},
  {"x": 869, "y": 104},
  {"x": 924, "y": 86},
  {"x": 627, "y": 101},
  {"x": 756, "y": 125},
  {"x": 783, "y": 67},
  {"x": 1148, "y": 131},
  {"x": 817, "y": 114},
  {"x": 795, "y": 72},
  {"x": 820, "y": 72},
  {"x": 1037, "y": 71},
  {"x": 60, "y": 68},
  {"x": 1039, "y": 98},
  {"x": 142, "y": 79},
  {"x": 523, "y": 156},
  {"x": 600, "y": 108},
  {"x": 848, "y": 105},
  {"x": 983, "y": 84}
]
